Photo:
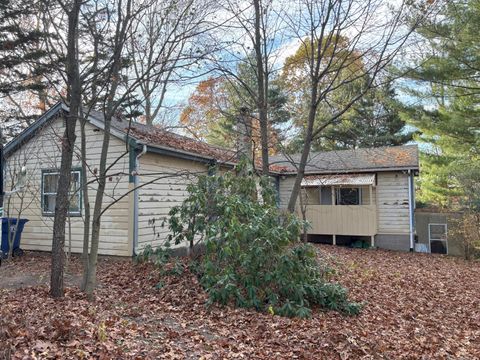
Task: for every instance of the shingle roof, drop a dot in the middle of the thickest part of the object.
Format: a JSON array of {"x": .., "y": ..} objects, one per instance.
[
  {"x": 358, "y": 160},
  {"x": 333, "y": 162},
  {"x": 158, "y": 137}
]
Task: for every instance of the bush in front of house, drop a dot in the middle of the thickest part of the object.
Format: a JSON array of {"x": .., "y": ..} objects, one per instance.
[{"x": 253, "y": 255}]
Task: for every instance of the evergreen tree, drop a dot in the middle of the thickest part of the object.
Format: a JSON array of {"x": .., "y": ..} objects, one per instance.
[
  {"x": 22, "y": 59},
  {"x": 374, "y": 120},
  {"x": 212, "y": 109},
  {"x": 447, "y": 86}
]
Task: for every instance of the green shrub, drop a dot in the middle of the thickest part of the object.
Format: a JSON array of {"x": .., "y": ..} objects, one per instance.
[
  {"x": 158, "y": 256},
  {"x": 253, "y": 255}
]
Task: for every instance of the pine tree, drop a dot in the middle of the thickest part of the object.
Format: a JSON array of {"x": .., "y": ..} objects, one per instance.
[
  {"x": 374, "y": 120},
  {"x": 447, "y": 86},
  {"x": 22, "y": 61}
]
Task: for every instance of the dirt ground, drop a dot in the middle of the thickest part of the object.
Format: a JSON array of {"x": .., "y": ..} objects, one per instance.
[
  {"x": 417, "y": 306},
  {"x": 24, "y": 272}
]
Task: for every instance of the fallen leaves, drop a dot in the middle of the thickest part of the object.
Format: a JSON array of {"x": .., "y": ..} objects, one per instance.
[{"x": 417, "y": 306}]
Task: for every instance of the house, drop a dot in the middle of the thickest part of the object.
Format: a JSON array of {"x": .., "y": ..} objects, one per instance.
[
  {"x": 150, "y": 170},
  {"x": 361, "y": 194},
  {"x": 348, "y": 194}
]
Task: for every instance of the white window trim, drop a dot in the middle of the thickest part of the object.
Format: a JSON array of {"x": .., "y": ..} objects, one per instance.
[
  {"x": 430, "y": 235},
  {"x": 49, "y": 213}
]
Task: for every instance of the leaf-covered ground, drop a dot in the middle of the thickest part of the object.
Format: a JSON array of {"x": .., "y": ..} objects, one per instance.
[{"x": 417, "y": 306}]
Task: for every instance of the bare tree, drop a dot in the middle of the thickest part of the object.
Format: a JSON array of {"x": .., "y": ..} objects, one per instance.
[
  {"x": 68, "y": 142},
  {"x": 262, "y": 79},
  {"x": 334, "y": 36},
  {"x": 170, "y": 40},
  {"x": 250, "y": 58},
  {"x": 125, "y": 13}
]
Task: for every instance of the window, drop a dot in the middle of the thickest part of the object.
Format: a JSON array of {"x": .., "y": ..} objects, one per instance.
[
  {"x": 311, "y": 195},
  {"x": 437, "y": 234},
  {"x": 49, "y": 192},
  {"x": 348, "y": 196},
  {"x": 326, "y": 195}
]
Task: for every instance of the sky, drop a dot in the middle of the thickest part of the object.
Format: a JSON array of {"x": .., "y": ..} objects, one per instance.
[{"x": 177, "y": 97}]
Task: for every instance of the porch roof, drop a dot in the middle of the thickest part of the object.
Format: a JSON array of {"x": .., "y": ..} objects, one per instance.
[
  {"x": 365, "y": 160},
  {"x": 343, "y": 179}
]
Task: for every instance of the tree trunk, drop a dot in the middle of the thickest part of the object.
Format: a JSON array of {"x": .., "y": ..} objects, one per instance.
[
  {"x": 306, "y": 150},
  {"x": 148, "y": 108},
  {"x": 97, "y": 212},
  {"x": 108, "y": 114},
  {"x": 68, "y": 142},
  {"x": 61, "y": 207},
  {"x": 86, "y": 207},
  {"x": 262, "y": 81},
  {"x": 244, "y": 138}
]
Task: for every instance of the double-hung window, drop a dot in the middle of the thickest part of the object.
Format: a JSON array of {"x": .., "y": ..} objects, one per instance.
[{"x": 49, "y": 192}]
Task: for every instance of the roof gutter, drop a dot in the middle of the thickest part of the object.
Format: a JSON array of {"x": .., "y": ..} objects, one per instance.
[
  {"x": 180, "y": 154},
  {"x": 414, "y": 170}
]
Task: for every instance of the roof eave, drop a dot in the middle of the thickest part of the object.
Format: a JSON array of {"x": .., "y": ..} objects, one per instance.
[
  {"x": 186, "y": 155},
  {"x": 31, "y": 130},
  {"x": 349, "y": 171}
]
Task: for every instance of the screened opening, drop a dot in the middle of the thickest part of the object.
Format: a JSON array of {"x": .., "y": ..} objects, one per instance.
[
  {"x": 311, "y": 195},
  {"x": 348, "y": 196},
  {"x": 438, "y": 247},
  {"x": 49, "y": 192},
  {"x": 326, "y": 195}
]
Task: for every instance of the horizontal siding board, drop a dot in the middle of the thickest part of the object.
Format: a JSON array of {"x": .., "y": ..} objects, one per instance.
[
  {"x": 390, "y": 196},
  {"x": 392, "y": 202},
  {"x": 42, "y": 152},
  {"x": 155, "y": 200}
]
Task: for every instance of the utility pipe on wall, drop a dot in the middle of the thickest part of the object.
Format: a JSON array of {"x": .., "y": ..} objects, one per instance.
[
  {"x": 411, "y": 209},
  {"x": 135, "y": 198}
]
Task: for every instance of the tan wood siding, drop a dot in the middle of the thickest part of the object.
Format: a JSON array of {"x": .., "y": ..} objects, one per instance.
[
  {"x": 342, "y": 219},
  {"x": 286, "y": 186},
  {"x": 392, "y": 202},
  {"x": 43, "y": 152},
  {"x": 156, "y": 199}
]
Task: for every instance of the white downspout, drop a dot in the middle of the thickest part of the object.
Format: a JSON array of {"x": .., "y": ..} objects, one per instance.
[
  {"x": 411, "y": 205},
  {"x": 135, "y": 198}
]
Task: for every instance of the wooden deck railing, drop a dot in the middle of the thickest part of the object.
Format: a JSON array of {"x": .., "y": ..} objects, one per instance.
[{"x": 342, "y": 219}]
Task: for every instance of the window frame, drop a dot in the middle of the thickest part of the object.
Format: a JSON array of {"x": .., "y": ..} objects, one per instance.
[
  {"x": 338, "y": 196},
  {"x": 46, "y": 172},
  {"x": 430, "y": 238},
  {"x": 329, "y": 190}
]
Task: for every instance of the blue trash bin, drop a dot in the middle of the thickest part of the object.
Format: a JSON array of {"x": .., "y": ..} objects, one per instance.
[{"x": 8, "y": 226}]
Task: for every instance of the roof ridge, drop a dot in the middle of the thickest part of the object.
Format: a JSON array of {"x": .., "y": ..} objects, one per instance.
[{"x": 362, "y": 149}]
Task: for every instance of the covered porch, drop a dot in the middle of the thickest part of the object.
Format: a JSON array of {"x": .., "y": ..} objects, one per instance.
[{"x": 340, "y": 205}]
